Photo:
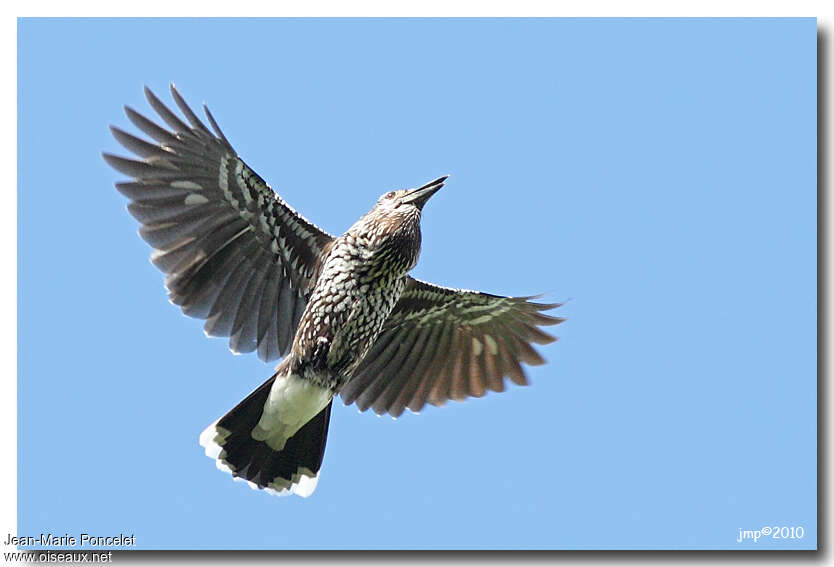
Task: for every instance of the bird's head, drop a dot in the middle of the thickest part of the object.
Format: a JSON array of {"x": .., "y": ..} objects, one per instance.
[
  {"x": 408, "y": 201},
  {"x": 392, "y": 226}
]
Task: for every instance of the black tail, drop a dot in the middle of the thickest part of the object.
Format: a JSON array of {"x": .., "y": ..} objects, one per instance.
[{"x": 293, "y": 469}]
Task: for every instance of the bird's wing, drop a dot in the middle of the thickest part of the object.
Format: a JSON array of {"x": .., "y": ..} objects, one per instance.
[
  {"x": 441, "y": 343},
  {"x": 233, "y": 251}
]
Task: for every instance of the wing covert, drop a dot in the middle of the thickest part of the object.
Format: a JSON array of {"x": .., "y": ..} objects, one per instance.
[
  {"x": 234, "y": 253},
  {"x": 441, "y": 343}
]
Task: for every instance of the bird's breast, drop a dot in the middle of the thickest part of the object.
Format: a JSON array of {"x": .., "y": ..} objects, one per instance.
[{"x": 347, "y": 308}]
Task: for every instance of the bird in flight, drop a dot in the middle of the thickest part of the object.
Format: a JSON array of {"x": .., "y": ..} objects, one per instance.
[{"x": 342, "y": 311}]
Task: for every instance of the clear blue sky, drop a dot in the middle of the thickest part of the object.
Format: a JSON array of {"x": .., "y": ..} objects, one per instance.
[{"x": 660, "y": 174}]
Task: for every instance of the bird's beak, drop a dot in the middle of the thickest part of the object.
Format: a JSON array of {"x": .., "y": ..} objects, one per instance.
[{"x": 419, "y": 196}]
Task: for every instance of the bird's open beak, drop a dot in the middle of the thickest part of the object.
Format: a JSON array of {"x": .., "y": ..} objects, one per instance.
[{"x": 419, "y": 196}]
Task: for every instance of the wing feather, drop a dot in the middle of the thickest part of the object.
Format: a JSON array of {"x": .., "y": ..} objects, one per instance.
[
  {"x": 361, "y": 381},
  {"x": 442, "y": 343},
  {"x": 403, "y": 382},
  {"x": 283, "y": 315},
  {"x": 377, "y": 372},
  {"x": 244, "y": 335},
  {"x": 435, "y": 375},
  {"x": 460, "y": 369},
  {"x": 233, "y": 251},
  {"x": 268, "y": 307},
  {"x": 396, "y": 373}
]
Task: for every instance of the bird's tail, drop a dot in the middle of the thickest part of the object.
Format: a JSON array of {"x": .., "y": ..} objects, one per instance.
[{"x": 293, "y": 469}]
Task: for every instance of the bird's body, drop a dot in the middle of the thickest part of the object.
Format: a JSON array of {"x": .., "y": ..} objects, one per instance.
[
  {"x": 343, "y": 310},
  {"x": 361, "y": 279}
]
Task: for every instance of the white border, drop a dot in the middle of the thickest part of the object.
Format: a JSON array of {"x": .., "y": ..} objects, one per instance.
[
  {"x": 427, "y": 8},
  {"x": 824, "y": 11},
  {"x": 8, "y": 281}
]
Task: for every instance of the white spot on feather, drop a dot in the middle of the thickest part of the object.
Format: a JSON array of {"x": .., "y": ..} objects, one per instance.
[
  {"x": 195, "y": 199},
  {"x": 190, "y": 185},
  {"x": 207, "y": 440},
  {"x": 481, "y": 319},
  {"x": 244, "y": 189},
  {"x": 223, "y": 178},
  {"x": 492, "y": 347},
  {"x": 306, "y": 484}
]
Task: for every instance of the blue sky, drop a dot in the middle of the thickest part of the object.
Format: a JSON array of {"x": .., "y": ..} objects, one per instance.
[{"x": 660, "y": 174}]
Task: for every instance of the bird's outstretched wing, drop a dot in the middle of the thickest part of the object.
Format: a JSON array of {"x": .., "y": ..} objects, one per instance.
[
  {"x": 441, "y": 343},
  {"x": 233, "y": 251}
]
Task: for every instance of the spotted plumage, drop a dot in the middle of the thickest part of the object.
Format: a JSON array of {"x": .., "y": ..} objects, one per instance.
[{"x": 343, "y": 311}]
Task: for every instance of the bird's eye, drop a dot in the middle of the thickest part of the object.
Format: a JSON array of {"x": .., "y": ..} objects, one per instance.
[{"x": 390, "y": 194}]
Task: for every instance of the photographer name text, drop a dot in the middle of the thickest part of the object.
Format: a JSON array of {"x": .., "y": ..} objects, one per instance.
[{"x": 67, "y": 540}]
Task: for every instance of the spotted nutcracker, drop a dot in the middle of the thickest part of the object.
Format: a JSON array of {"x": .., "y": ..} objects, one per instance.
[{"x": 342, "y": 311}]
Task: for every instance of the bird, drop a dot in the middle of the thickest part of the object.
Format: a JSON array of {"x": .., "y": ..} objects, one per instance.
[{"x": 341, "y": 312}]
